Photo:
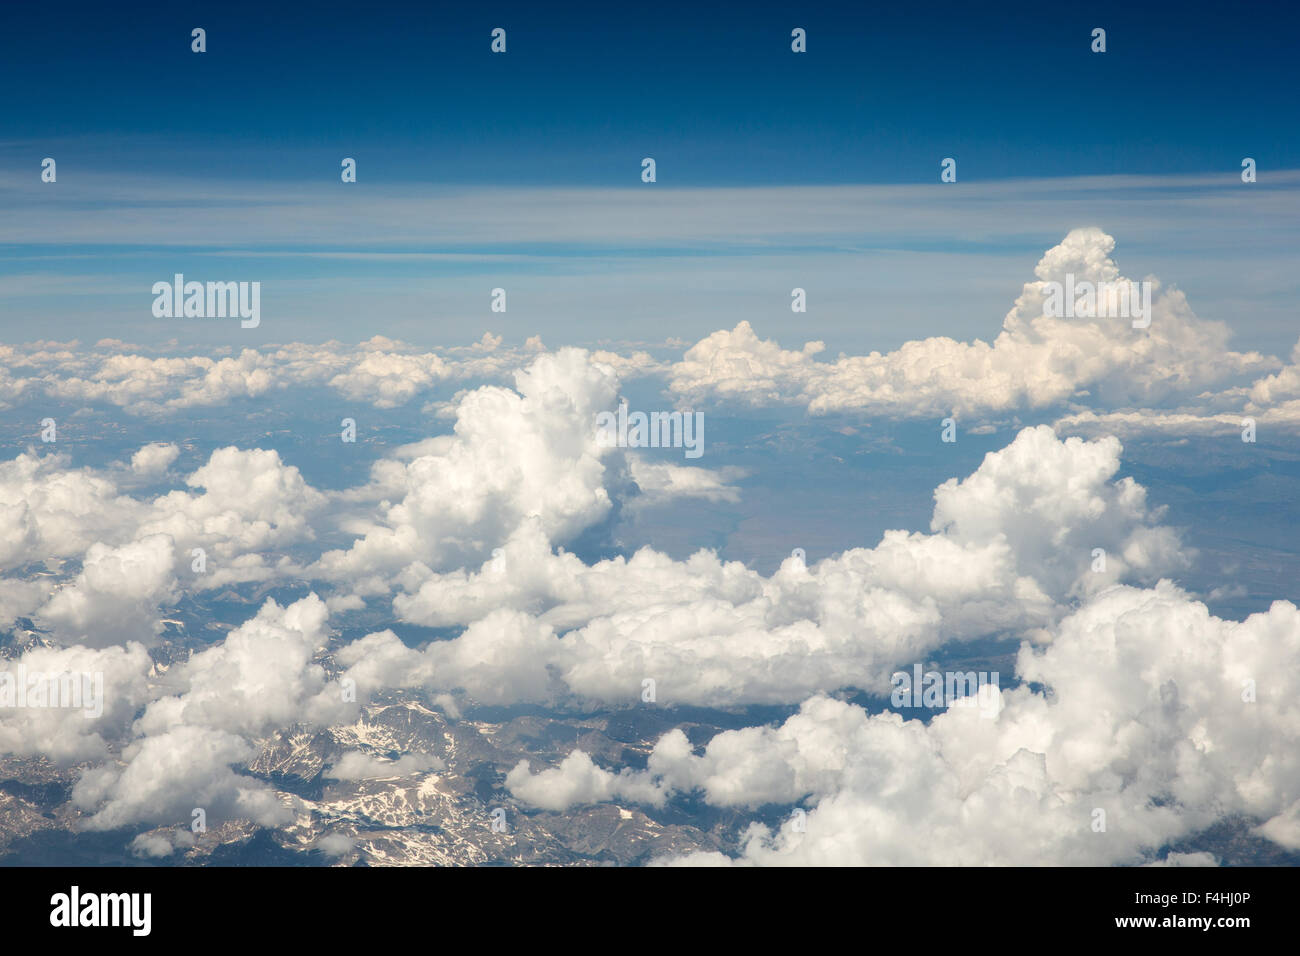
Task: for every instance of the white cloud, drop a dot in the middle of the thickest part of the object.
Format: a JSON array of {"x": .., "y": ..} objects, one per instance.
[
  {"x": 261, "y": 678},
  {"x": 335, "y": 844},
  {"x": 661, "y": 480},
  {"x": 1012, "y": 547},
  {"x": 379, "y": 373},
  {"x": 576, "y": 780},
  {"x": 164, "y": 778},
  {"x": 49, "y": 510},
  {"x": 1270, "y": 403},
  {"x": 1141, "y": 720},
  {"x": 115, "y": 597},
  {"x": 135, "y": 554},
  {"x": 1035, "y": 361},
  {"x": 113, "y": 685},
  {"x": 514, "y": 455},
  {"x": 152, "y": 845},
  {"x": 251, "y": 501},
  {"x": 355, "y": 765},
  {"x": 1147, "y": 720},
  {"x": 154, "y": 459}
]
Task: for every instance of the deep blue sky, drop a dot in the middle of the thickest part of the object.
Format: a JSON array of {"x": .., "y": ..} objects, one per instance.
[{"x": 712, "y": 92}]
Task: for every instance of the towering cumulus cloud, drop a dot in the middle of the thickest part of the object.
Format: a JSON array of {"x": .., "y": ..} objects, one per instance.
[
  {"x": 1037, "y": 360},
  {"x": 513, "y": 455}
]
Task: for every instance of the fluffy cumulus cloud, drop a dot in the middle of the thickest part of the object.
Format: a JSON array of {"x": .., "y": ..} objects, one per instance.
[
  {"x": 1062, "y": 513},
  {"x": 165, "y": 777},
  {"x": 1130, "y": 698},
  {"x": 1013, "y": 545},
  {"x": 223, "y": 701},
  {"x": 116, "y": 595},
  {"x": 1037, "y": 360},
  {"x": 380, "y": 372},
  {"x": 111, "y": 560},
  {"x": 1269, "y": 404},
  {"x": 68, "y": 704},
  {"x": 514, "y": 455},
  {"x": 261, "y": 677},
  {"x": 154, "y": 459},
  {"x": 51, "y": 510},
  {"x": 251, "y": 501},
  {"x": 1155, "y": 720},
  {"x": 144, "y": 384},
  {"x": 577, "y": 780}
]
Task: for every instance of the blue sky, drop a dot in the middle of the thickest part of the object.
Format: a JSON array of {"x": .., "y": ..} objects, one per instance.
[
  {"x": 882, "y": 94},
  {"x": 522, "y": 171}
]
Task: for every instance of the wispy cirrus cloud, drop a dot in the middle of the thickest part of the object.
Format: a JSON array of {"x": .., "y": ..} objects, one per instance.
[{"x": 875, "y": 259}]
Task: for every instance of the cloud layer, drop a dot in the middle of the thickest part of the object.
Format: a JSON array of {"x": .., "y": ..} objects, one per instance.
[
  {"x": 1037, "y": 360},
  {"x": 1130, "y": 698}
]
